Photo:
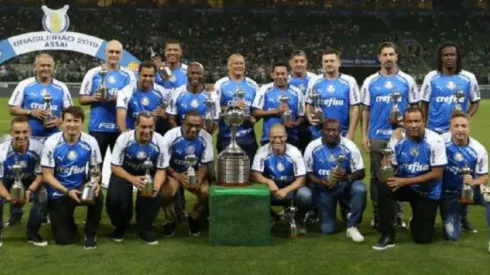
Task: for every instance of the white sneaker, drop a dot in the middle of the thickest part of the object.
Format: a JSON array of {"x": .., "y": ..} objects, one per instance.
[
  {"x": 353, "y": 233},
  {"x": 488, "y": 246}
]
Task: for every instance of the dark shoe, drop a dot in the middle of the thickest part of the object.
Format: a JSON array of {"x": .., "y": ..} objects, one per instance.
[
  {"x": 194, "y": 229},
  {"x": 466, "y": 226},
  {"x": 118, "y": 235},
  {"x": 374, "y": 223},
  {"x": 90, "y": 242},
  {"x": 36, "y": 239},
  {"x": 169, "y": 229},
  {"x": 148, "y": 238},
  {"x": 1, "y": 238},
  {"x": 14, "y": 220},
  {"x": 400, "y": 224},
  {"x": 384, "y": 242}
]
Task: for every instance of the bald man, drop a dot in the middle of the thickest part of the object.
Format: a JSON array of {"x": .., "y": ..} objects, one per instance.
[
  {"x": 228, "y": 90},
  {"x": 281, "y": 167},
  {"x": 102, "y": 124}
]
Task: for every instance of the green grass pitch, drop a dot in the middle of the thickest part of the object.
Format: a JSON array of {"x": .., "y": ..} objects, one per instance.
[{"x": 312, "y": 254}]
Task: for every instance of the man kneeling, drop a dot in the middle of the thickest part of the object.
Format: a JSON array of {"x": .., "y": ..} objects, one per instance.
[{"x": 189, "y": 150}]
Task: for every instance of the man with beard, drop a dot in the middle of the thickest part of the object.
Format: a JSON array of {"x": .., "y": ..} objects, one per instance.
[
  {"x": 276, "y": 99},
  {"x": 335, "y": 168},
  {"x": 102, "y": 124},
  {"x": 281, "y": 167},
  {"x": 65, "y": 159},
  {"x": 131, "y": 150},
  {"x": 178, "y": 71},
  {"x": 29, "y": 99},
  {"x": 419, "y": 159},
  {"x": 26, "y": 152},
  {"x": 182, "y": 143},
  {"x": 376, "y": 129},
  {"x": 300, "y": 77},
  {"x": 439, "y": 97},
  {"x": 463, "y": 152},
  {"x": 228, "y": 89},
  {"x": 144, "y": 96}
]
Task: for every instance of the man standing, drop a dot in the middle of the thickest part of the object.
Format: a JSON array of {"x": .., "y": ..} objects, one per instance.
[
  {"x": 65, "y": 158},
  {"x": 281, "y": 167},
  {"x": 339, "y": 94},
  {"x": 237, "y": 90},
  {"x": 32, "y": 97},
  {"x": 463, "y": 152},
  {"x": 335, "y": 167},
  {"x": 144, "y": 96},
  {"x": 419, "y": 159},
  {"x": 182, "y": 144},
  {"x": 26, "y": 152},
  {"x": 102, "y": 124},
  {"x": 378, "y": 103},
  {"x": 178, "y": 71},
  {"x": 273, "y": 101},
  {"x": 131, "y": 150},
  {"x": 440, "y": 97}
]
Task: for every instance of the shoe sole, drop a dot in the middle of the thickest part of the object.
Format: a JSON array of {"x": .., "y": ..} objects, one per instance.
[
  {"x": 194, "y": 234},
  {"x": 383, "y": 248},
  {"x": 38, "y": 244},
  {"x": 1, "y": 244},
  {"x": 90, "y": 248},
  {"x": 149, "y": 243},
  {"x": 118, "y": 240},
  {"x": 169, "y": 236}
]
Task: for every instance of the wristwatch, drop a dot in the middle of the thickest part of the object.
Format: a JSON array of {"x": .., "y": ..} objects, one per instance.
[{"x": 29, "y": 112}]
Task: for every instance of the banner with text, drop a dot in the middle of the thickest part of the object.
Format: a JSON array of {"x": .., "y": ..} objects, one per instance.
[{"x": 359, "y": 62}]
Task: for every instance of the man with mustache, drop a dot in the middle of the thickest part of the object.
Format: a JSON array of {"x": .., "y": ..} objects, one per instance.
[
  {"x": 131, "y": 150},
  {"x": 277, "y": 98},
  {"x": 335, "y": 168},
  {"x": 144, "y": 96},
  {"x": 24, "y": 151},
  {"x": 462, "y": 152},
  {"x": 28, "y": 99},
  {"x": 181, "y": 143},
  {"x": 178, "y": 71},
  {"x": 439, "y": 97},
  {"x": 65, "y": 159},
  {"x": 281, "y": 167},
  {"x": 102, "y": 124},
  {"x": 376, "y": 126},
  {"x": 418, "y": 159}
]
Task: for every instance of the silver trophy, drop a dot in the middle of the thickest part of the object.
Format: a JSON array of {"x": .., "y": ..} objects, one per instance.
[
  {"x": 291, "y": 218},
  {"x": 17, "y": 192},
  {"x": 191, "y": 160},
  {"x": 210, "y": 112},
  {"x": 287, "y": 115},
  {"x": 103, "y": 90},
  {"x": 147, "y": 190},
  {"x": 47, "y": 107},
  {"x": 386, "y": 170},
  {"x": 459, "y": 94},
  {"x": 233, "y": 162},
  {"x": 88, "y": 192},
  {"x": 316, "y": 99},
  {"x": 395, "y": 114},
  {"x": 467, "y": 193},
  {"x": 331, "y": 179}
]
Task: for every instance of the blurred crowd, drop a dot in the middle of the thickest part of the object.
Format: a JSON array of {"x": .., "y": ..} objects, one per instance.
[{"x": 262, "y": 38}]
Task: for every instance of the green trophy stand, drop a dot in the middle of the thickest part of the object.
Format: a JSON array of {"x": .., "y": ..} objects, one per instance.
[{"x": 240, "y": 216}]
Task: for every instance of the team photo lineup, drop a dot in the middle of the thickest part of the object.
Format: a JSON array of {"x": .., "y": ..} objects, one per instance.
[{"x": 159, "y": 124}]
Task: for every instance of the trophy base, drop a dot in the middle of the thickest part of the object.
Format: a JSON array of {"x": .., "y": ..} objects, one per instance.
[
  {"x": 18, "y": 201},
  {"x": 466, "y": 201},
  {"x": 238, "y": 184},
  {"x": 87, "y": 202},
  {"x": 146, "y": 194}
]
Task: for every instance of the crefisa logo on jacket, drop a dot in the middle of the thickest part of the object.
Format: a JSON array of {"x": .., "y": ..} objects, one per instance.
[{"x": 55, "y": 21}]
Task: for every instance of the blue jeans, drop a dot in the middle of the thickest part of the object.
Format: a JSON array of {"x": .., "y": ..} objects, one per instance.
[
  {"x": 327, "y": 199},
  {"x": 451, "y": 212},
  {"x": 302, "y": 198},
  {"x": 37, "y": 215}
]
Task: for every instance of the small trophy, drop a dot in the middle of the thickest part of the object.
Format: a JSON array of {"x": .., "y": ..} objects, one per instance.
[
  {"x": 467, "y": 193},
  {"x": 103, "y": 90},
  {"x": 153, "y": 54},
  {"x": 333, "y": 181},
  {"x": 88, "y": 192},
  {"x": 17, "y": 192},
  {"x": 47, "y": 107},
  {"x": 486, "y": 193},
  {"x": 287, "y": 115},
  {"x": 191, "y": 160},
  {"x": 386, "y": 170},
  {"x": 209, "y": 116},
  {"x": 317, "y": 106},
  {"x": 147, "y": 190},
  {"x": 459, "y": 94},
  {"x": 395, "y": 114},
  {"x": 293, "y": 228}
]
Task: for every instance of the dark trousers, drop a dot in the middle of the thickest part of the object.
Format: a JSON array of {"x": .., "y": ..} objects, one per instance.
[
  {"x": 63, "y": 224},
  {"x": 304, "y": 137},
  {"x": 247, "y": 143},
  {"x": 104, "y": 140},
  {"x": 424, "y": 212},
  {"x": 37, "y": 215},
  {"x": 119, "y": 205}
]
